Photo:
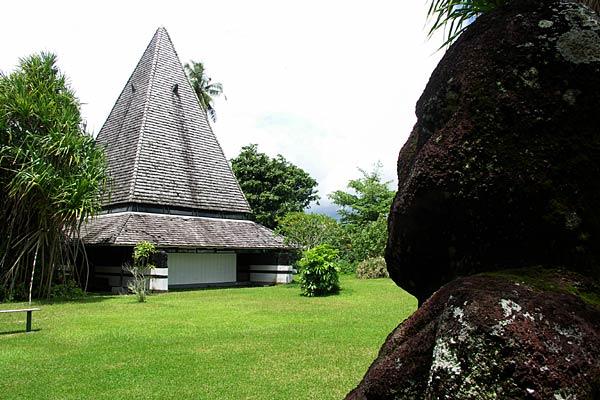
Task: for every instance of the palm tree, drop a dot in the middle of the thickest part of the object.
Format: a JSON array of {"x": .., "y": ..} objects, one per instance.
[
  {"x": 455, "y": 15},
  {"x": 205, "y": 89}
]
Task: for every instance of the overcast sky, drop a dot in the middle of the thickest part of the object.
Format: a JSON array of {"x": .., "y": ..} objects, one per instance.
[{"x": 331, "y": 85}]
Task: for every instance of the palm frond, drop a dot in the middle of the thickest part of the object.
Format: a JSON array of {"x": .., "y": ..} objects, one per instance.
[
  {"x": 453, "y": 16},
  {"x": 205, "y": 89}
]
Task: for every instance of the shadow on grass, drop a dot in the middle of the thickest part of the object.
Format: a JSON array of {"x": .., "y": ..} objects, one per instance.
[
  {"x": 295, "y": 285},
  {"x": 292, "y": 285},
  {"x": 89, "y": 298},
  {"x": 217, "y": 286},
  {"x": 341, "y": 292},
  {"x": 344, "y": 291},
  {"x": 18, "y": 332}
]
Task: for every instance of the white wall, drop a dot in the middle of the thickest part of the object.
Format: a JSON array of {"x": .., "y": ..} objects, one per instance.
[
  {"x": 200, "y": 268},
  {"x": 271, "y": 273},
  {"x": 156, "y": 281}
]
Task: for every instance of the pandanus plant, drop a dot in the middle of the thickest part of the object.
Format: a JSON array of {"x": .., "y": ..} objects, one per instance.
[
  {"x": 453, "y": 16},
  {"x": 51, "y": 174}
]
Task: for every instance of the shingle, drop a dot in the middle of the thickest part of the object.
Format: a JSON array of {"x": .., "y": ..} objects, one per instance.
[
  {"x": 129, "y": 228},
  {"x": 160, "y": 147}
]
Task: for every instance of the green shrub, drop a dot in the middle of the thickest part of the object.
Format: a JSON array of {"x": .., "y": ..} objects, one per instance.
[
  {"x": 318, "y": 272},
  {"x": 372, "y": 268},
  {"x": 69, "y": 290}
]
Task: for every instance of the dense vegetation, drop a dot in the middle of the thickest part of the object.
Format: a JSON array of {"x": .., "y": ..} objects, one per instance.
[
  {"x": 51, "y": 173},
  {"x": 309, "y": 230},
  {"x": 361, "y": 232},
  {"x": 254, "y": 343},
  {"x": 272, "y": 186}
]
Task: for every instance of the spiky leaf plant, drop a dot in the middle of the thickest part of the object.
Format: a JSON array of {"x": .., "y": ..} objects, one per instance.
[
  {"x": 51, "y": 173},
  {"x": 453, "y": 16}
]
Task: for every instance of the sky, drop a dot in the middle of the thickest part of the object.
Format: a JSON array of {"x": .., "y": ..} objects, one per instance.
[{"x": 330, "y": 85}]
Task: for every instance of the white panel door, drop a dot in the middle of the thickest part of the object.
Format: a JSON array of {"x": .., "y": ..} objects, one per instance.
[{"x": 200, "y": 268}]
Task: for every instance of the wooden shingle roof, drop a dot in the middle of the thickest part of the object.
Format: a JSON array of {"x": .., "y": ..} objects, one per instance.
[
  {"x": 159, "y": 145},
  {"x": 129, "y": 228}
]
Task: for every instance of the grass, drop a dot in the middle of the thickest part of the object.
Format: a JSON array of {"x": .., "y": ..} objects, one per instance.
[{"x": 252, "y": 343}]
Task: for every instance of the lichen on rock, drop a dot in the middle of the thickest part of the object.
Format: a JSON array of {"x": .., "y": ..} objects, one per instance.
[
  {"x": 579, "y": 46},
  {"x": 548, "y": 347}
]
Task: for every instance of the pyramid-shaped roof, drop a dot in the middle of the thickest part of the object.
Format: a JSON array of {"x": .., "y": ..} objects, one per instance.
[{"x": 160, "y": 147}]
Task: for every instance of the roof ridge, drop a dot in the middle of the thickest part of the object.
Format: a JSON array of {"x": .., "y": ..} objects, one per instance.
[
  {"x": 122, "y": 228},
  {"x": 136, "y": 160},
  {"x": 159, "y": 215},
  {"x": 129, "y": 80}
]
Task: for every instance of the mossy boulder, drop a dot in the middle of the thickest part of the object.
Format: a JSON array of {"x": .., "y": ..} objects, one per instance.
[
  {"x": 502, "y": 169},
  {"x": 494, "y": 337}
]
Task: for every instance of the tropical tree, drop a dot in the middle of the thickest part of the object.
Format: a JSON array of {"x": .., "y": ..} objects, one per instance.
[
  {"x": 366, "y": 241},
  {"x": 455, "y": 15},
  {"x": 310, "y": 230},
  {"x": 272, "y": 186},
  {"x": 205, "y": 88},
  {"x": 51, "y": 174},
  {"x": 368, "y": 198},
  {"x": 363, "y": 212}
]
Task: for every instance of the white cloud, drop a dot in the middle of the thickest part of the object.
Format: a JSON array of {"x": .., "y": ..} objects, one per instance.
[{"x": 330, "y": 85}]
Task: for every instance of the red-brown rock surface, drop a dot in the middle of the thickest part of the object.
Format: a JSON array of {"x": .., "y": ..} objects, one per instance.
[
  {"x": 492, "y": 337},
  {"x": 502, "y": 169}
]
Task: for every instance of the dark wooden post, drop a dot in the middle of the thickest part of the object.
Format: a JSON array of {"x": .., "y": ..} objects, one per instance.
[{"x": 28, "y": 326}]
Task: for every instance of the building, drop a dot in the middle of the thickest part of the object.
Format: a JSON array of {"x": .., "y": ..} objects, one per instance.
[{"x": 172, "y": 185}]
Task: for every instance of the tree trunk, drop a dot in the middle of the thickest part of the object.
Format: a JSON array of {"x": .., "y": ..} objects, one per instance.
[{"x": 37, "y": 248}]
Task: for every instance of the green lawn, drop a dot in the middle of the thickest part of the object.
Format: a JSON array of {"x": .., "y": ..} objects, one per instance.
[{"x": 252, "y": 343}]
